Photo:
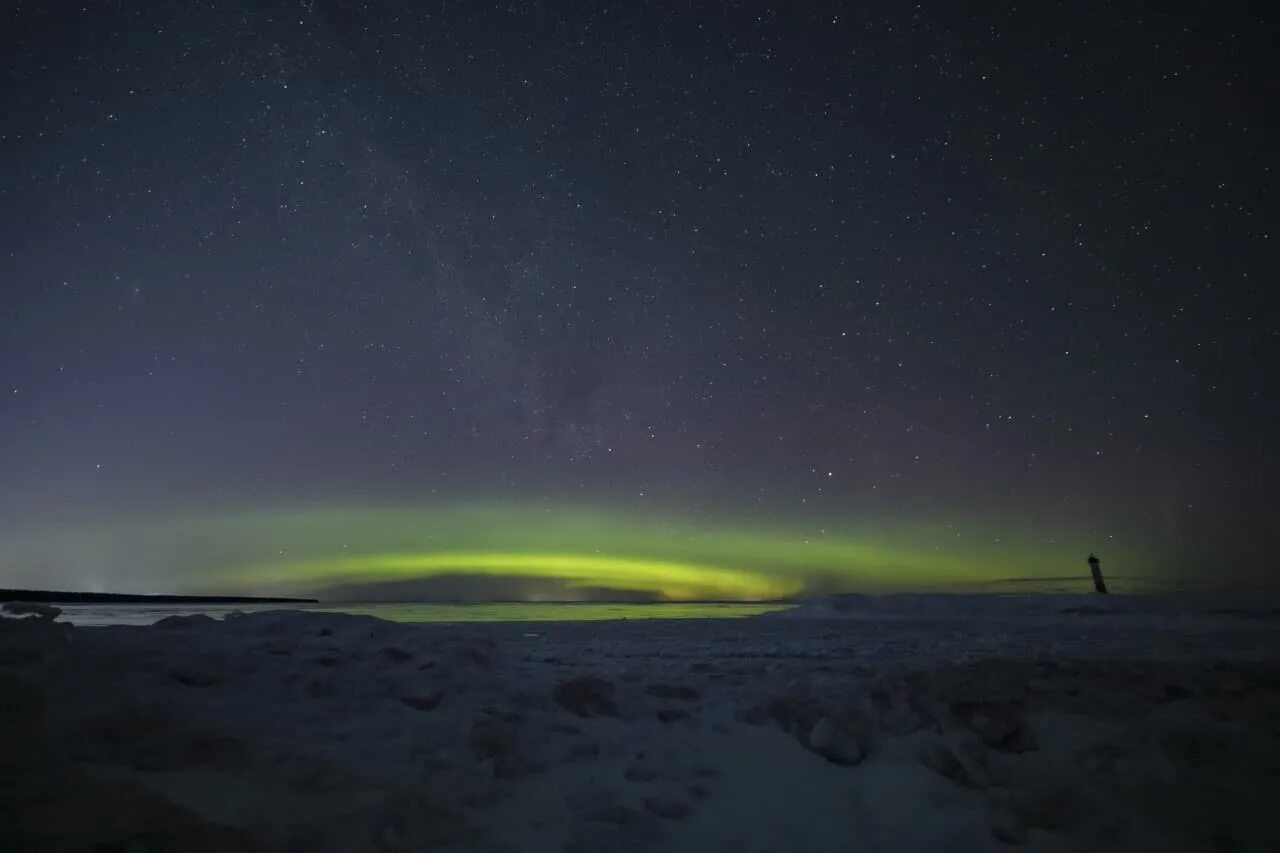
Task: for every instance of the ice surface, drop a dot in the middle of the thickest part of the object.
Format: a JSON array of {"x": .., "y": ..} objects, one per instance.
[{"x": 891, "y": 724}]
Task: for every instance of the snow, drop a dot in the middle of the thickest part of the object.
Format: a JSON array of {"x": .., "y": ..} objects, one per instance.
[{"x": 849, "y": 724}]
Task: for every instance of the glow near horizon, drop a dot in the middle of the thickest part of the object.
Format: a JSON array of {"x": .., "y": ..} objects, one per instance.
[
  {"x": 672, "y": 580},
  {"x": 304, "y": 551}
]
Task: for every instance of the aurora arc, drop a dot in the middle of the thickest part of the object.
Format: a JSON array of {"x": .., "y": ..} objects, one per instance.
[
  {"x": 676, "y": 557},
  {"x": 670, "y": 579}
]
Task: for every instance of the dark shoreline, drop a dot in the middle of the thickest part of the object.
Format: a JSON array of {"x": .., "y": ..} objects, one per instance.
[{"x": 57, "y": 597}]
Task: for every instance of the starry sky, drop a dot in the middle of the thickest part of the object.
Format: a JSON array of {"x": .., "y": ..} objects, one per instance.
[{"x": 726, "y": 299}]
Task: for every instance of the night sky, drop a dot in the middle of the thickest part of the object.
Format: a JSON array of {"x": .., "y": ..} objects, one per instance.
[{"x": 687, "y": 299}]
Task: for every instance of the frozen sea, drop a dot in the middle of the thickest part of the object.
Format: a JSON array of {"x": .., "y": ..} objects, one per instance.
[{"x": 97, "y": 615}]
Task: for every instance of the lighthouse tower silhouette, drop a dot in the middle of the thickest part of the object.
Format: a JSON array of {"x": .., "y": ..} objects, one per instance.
[{"x": 1095, "y": 566}]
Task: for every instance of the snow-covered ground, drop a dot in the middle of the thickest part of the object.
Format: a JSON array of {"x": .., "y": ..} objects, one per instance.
[{"x": 851, "y": 724}]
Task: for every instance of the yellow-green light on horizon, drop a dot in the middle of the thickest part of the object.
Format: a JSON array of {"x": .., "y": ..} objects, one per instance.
[
  {"x": 316, "y": 550},
  {"x": 671, "y": 579}
]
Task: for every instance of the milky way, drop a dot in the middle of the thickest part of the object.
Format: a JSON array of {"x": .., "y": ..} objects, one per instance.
[{"x": 760, "y": 299}]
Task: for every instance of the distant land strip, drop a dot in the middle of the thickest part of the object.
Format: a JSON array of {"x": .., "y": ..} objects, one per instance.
[{"x": 56, "y": 597}]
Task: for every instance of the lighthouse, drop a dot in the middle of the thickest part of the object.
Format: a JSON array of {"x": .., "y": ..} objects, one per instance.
[{"x": 1095, "y": 566}]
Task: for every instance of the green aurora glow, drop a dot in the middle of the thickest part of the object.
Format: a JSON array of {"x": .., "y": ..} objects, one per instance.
[{"x": 307, "y": 551}]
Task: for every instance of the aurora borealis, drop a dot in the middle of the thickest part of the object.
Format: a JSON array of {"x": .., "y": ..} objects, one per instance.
[
  {"x": 563, "y": 553},
  {"x": 741, "y": 301}
]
